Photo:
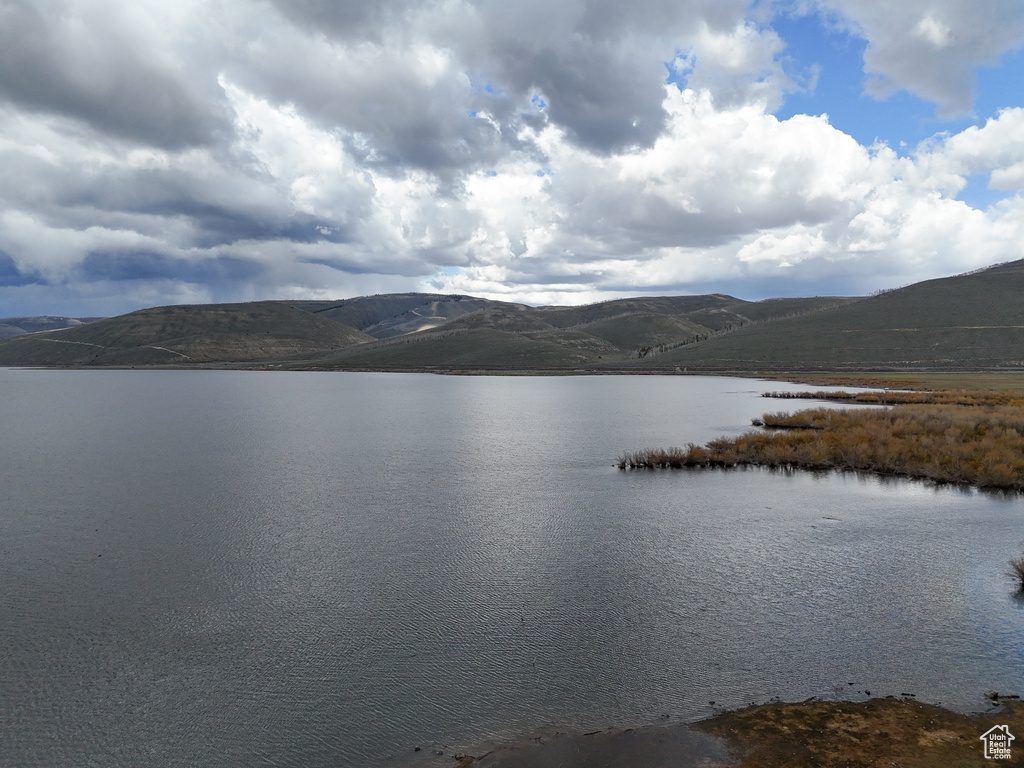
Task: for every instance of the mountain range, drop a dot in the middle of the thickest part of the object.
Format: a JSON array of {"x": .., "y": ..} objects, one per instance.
[{"x": 973, "y": 321}]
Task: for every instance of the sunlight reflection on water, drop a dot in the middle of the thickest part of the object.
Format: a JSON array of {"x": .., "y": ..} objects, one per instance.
[{"x": 226, "y": 568}]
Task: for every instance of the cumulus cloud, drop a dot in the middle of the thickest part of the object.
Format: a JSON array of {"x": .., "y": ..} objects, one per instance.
[
  {"x": 997, "y": 149},
  {"x": 154, "y": 152},
  {"x": 739, "y": 65},
  {"x": 106, "y": 65},
  {"x": 931, "y": 48},
  {"x": 735, "y": 193},
  {"x": 405, "y": 76}
]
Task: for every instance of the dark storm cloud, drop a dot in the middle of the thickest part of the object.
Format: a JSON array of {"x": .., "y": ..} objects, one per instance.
[
  {"x": 435, "y": 135},
  {"x": 346, "y": 18},
  {"x": 340, "y": 266},
  {"x": 10, "y": 275},
  {"x": 54, "y": 61},
  {"x": 170, "y": 204},
  {"x": 119, "y": 267},
  {"x": 601, "y": 95},
  {"x": 217, "y": 225},
  {"x": 599, "y": 66},
  {"x": 390, "y": 114}
]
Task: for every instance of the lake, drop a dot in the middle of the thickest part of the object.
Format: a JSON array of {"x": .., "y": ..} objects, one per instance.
[{"x": 234, "y": 568}]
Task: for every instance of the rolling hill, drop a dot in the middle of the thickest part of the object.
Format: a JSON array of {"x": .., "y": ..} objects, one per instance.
[
  {"x": 16, "y": 326},
  {"x": 185, "y": 335},
  {"x": 973, "y": 321},
  {"x": 399, "y": 313},
  {"x": 614, "y": 334}
]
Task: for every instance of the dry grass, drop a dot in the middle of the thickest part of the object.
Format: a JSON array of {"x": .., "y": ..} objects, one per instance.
[
  {"x": 979, "y": 445},
  {"x": 880, "y": 733},
  {"x": 918, "y": 380},
  {"x": 941, "y": 397}
]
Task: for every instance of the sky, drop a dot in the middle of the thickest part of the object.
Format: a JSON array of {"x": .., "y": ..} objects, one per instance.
[{"x": 548, "y": 152}]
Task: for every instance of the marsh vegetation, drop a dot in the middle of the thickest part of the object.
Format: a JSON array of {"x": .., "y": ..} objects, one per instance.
[
  {"x": 980, "y": 444},
  {"x": 926, "y": 397}
]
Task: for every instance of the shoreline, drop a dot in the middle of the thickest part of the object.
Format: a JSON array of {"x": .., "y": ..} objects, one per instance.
[
  {"x": 916, "y": 379},
  {"x": 887, "y": 731},
  {"x": 901, "y": 378}
]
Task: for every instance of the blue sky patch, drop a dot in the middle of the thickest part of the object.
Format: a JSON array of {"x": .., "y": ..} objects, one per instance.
[
  {"x": 977, "y": 194},
  {"x": 901, "y": 121}
]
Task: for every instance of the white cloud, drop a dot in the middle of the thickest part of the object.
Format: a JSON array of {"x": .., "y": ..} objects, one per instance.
[
  {"x": 335, "y": 148},
  {"x": 931, "y": 48},
  {"x": 729, "y": 194},
  {"x": 739, "y": 65},
  {"x": 997, "y": 148},
  {"x": 935, "y": 31}
]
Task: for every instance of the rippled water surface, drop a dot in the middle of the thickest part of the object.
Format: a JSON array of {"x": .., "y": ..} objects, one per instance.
[{"x": 285, "y": 569}]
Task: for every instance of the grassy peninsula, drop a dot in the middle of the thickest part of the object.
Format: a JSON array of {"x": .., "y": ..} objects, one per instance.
[{"x": 970, "y": 438}]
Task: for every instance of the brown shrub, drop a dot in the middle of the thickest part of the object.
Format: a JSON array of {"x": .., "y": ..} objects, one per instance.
[{"x": 982, "y": 446}]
